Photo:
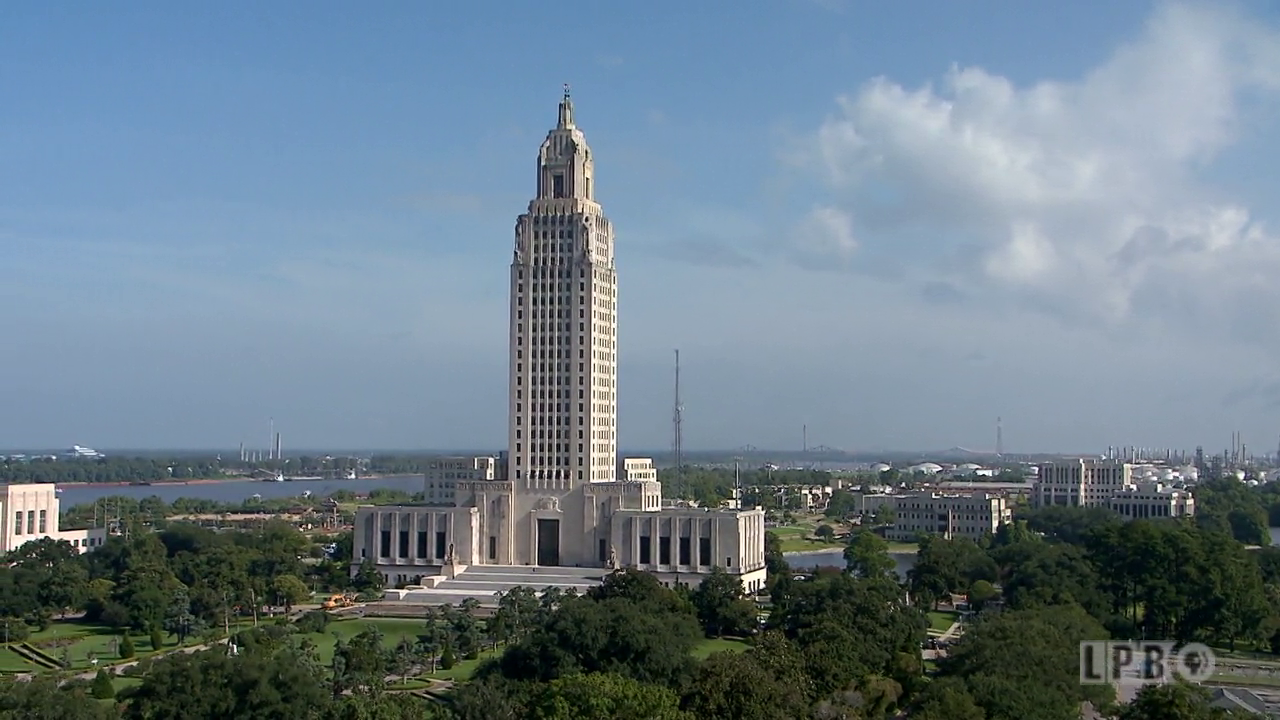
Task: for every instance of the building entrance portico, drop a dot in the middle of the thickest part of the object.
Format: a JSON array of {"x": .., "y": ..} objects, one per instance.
[{"x": 548, "y": 542}]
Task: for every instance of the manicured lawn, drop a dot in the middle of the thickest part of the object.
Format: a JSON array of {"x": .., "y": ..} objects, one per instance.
[
  {"x": 901, "y": 547},
  {"x": 464, "y": 669},
  {"x": 714, "y": 645},
  {"x": 799, "y": 543},
  {"x": 940, "y": 621},
  {"x": 1222, "y": 653},
  {"x": 10, "y": 662},
  {"x": 393, "y": 629},
  {"x": 85, "y": 641},
  {"x": 1259, "y": 680}
]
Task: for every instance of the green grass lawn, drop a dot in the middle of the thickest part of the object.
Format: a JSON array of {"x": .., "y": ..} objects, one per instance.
[
  {"x": 901, "y": 547},
  {"x": 940, "y": 621},
  {"x": 393, "y": 629},
  {"x": 464, "y": 669},
  {"x": 11, "y": 662},
  {"x": 85, "y": 641},
  {"x": 799, "y": 543},
  {"x": 709, "y": 646},
  {"x": 1222, "y": 653},
  {"x": 1261, "y": 681}
]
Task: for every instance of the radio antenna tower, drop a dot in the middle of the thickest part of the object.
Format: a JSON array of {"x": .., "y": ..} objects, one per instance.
[
  {"x": 999, "y": 438},
  {"x": 677, "y": 419}
]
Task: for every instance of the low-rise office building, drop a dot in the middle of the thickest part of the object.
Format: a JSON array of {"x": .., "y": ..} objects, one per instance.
[
  {"x": 951, "y": 515},
  {"x": 30, "y": 512},
  {"x": 1130, "y": 490},
  {"x": 1080, "y": 482},
  {"x": 1152, "y": 500}
]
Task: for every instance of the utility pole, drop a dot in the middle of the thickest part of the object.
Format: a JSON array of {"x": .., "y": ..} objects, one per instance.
[{"x": 677, "y": 421}]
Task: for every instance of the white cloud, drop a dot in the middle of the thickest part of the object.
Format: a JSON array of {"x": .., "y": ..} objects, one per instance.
[
  {"x": 1083, "y": 198},
  {"x": 824, "y": 236}
]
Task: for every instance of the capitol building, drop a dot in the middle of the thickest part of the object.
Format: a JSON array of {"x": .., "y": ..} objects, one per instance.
[{"x": 559, "y": 503}]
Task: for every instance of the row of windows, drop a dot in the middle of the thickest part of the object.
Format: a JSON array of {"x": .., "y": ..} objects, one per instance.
[
  {"x": 556, "y": 313},
  {"x": 559, "y": 219},
  {"x": 31, "y": 522},
  {"x": 545, "y": 460},
  {"x": 684, "y": 551},
  {"x": 546, "y": 474},
  {"x": 555, "y": 447}
]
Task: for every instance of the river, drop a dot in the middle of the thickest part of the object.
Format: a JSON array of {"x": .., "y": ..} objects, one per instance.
[
  {"x": 235, "y": 491},
  {"x": 835, "y": 558}
]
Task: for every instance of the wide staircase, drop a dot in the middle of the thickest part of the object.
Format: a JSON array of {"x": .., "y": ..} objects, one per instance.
[{"x": 483, "y": 582}]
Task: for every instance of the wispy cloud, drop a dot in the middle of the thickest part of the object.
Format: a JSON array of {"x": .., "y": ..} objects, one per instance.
[{"x": 706, "y": 252}]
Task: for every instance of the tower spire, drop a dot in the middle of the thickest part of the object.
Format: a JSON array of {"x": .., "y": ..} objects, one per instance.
[{"x": 566, "y": 110}]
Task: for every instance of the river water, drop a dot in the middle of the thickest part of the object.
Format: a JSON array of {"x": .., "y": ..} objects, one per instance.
[
  {"x": 235, "y": 491},
  {"x": 835, "y": 558}
]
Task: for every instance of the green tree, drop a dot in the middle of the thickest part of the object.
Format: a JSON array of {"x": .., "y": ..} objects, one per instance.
[
  {"x": 42, "y": 698},
  {"x": 981, "y": 593},
  {"x": 722, "y": 606},
  {"x": 1025, "y": 663},
  {"x": 947, "y": 699},
  {"x": 126, "y": 646},
  {"x": 266, "y": 680},
  {"x": 102, "y": 688},
  {"x": 1176, "y": 701},
  {"x": 289, "y": 590},
  {"x": 605, "y": 696},
  {"x": 867, "y": 555},
  {"x": 738, "y": 686}
]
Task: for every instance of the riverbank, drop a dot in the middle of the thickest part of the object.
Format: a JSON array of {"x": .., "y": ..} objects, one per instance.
[{"x": 209, "y": 481}]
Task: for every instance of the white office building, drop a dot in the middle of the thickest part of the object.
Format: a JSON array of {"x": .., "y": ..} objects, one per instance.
[
  {"x": 1128, "y": 489},
  {"x": 30, "y": 511},
  {"x": 560, "y": 496},
  {"x": 1152, "y": 499},
  {"x": 1080, "y": 482}
]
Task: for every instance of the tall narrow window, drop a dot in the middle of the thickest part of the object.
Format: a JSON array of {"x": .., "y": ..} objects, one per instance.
[{"x": 557, "y": 185}]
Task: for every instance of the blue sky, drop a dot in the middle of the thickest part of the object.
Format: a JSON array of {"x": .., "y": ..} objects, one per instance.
[{"x": 890, "y": 222}]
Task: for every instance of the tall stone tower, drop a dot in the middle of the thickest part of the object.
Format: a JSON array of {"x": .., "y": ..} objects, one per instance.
[{"x": 563, "y": 393}]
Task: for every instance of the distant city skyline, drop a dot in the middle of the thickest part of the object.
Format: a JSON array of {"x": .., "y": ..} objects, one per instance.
[{"x": 897, "y": 225}]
